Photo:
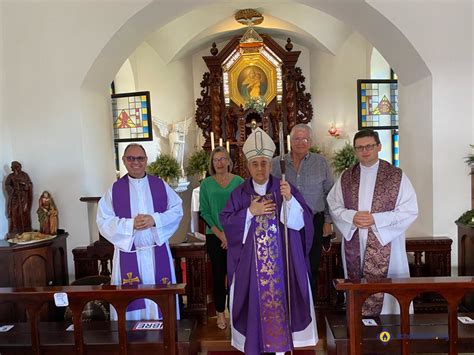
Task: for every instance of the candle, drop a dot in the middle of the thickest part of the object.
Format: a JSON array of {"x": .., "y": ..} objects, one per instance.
[
  {"x": 227, "y": 145},
  {"x": 220, "y": 142},
  {"x": 184, "y": 145},
  {"x": 212, "y": 141},
  {"x": 288, "y": 143}
]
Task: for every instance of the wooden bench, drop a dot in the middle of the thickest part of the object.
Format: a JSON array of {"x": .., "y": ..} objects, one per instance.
[
  {"x": 452, "y": 289},
  {"x": 113, "y": 337}
]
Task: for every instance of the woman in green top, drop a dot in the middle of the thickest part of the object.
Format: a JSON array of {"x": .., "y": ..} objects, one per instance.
[{"x": 213, "y": 195}]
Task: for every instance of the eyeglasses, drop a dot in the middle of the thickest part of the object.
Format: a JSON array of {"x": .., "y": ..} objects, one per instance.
[
  {"x": 139, "y": 159},
  {"x": 367, "y": 148},
  {"x": 219, "y": 160},
  {"x": 300, "y": 140}
]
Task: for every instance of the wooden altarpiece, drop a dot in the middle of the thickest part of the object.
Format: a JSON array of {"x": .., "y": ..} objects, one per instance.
[{"x": 221, "y": 108}]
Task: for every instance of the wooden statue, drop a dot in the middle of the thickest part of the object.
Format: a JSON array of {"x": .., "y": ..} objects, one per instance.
[
  {"x": 47, "y": 214},
  {"x": 19, "y": 190}
]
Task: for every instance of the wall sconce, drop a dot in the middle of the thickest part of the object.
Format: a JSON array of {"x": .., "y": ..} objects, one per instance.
[{"x": 334, "y": 132}]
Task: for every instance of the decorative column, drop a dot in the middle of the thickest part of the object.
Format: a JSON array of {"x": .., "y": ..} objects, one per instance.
[
  {"x": 216, "y": 101},
  {"x": 289, "y": 96}
]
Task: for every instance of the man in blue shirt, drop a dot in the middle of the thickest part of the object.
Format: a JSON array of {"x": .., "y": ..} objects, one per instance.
[{"x": 311, "y": 174}]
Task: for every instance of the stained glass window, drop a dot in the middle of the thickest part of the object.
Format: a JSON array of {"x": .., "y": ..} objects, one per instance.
[
  {"x": 378, "y": 104},
  {"x": 395, "y": 147},
  {"x": 131, "y": 113}
]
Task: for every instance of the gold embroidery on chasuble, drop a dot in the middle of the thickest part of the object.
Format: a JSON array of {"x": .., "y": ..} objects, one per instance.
[
  {"x": 269, "y": 276},
  {"x": 165, "y": 281},
  {"x": 130, "y": 280}
]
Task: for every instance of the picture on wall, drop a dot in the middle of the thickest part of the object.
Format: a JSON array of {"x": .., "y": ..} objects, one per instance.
[
  {"x": 252, "y": 77},
  {"x": 377, "y": 104},
  {"x": 131, "y": 113}
]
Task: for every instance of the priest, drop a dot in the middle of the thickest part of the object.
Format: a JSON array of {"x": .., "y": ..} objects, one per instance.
[
  {"x": 373, "y": 204},
  {"x": 271, "y": 306},
  {"x": 138, "y": 215}
]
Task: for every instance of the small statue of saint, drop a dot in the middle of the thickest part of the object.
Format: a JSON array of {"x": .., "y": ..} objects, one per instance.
[
  {"x": 47, "y": 214},
  {"x": 19, "y": 189}
]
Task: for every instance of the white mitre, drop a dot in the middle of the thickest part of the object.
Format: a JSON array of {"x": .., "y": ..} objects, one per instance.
[{"x": 258, "y": 144}]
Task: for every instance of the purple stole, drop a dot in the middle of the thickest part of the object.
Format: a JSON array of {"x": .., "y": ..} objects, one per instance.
[
  {"x": 376, "y": 257},
  {"x": 130, "y": 273},
  {"x": 271, "y": 276}
]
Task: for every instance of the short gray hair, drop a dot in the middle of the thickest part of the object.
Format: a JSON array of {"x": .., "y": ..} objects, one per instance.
[{"x": 302, "y": 127}]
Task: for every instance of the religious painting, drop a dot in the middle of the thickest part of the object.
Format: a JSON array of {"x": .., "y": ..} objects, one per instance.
[
  {"x": 252, "y": 83},
  {"x": 377, "y": 104},
  {"x": 252, "y": 77},
  {"x": 131, "y": 114}
]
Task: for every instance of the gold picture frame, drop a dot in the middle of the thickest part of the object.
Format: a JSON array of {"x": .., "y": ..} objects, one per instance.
[{"x": 252, "y": 76}]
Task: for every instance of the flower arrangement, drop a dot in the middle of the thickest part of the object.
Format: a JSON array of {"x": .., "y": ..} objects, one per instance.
[
  {"x": 256, "y": 103},
  {"x": 343, "y": 159},
  {"x": 166, "y": 167},
  {"x": 198, "y": 163}
]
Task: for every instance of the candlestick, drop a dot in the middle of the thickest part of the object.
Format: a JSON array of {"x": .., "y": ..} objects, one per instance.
[
  {"x": 212, "y": 141},
  {"x": 227, "y": 145},
  {"x": 221, "y": 143},
  {"x": 288, "y": 143}
]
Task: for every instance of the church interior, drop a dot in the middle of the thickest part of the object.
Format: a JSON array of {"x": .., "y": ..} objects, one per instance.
[{"x": 207, "y": 73}]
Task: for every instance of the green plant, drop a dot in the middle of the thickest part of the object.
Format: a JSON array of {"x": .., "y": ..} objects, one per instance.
[
  {"x": 166, "y": 167},
  {"x": 198, "y": 163},
  {"x": 467, "y": 218},
  {"x": 470, "y": 159},
  {"x": 343, "y": 159},
  {"x": 315, "y": 149},
  {"x": 256, "y": 103}
]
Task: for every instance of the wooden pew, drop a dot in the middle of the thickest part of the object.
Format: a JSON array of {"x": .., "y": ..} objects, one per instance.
[
  {"x": 78, "y": 296},
  {"x": 405, "y": 290}
]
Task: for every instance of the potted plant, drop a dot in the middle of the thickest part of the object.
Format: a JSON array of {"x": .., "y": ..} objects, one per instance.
[
  {"x": 467, "y": 218},
  {"x": 165, "y": 167},
  {"x": 198, "y": 163},
  {"x": 343, "y": 159}
]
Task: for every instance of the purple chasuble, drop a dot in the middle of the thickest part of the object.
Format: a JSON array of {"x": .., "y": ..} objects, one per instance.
[
  {"x": 376, "y": 256},
  {"x": 257, "y": 269},
  {"x": 130, "y": 273}
]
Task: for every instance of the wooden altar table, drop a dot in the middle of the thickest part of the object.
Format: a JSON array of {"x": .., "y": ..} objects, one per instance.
[
  {"x": 428, "y": 334},
  {"x": 405, "y": 290},
  {"x": 96, "y": 337}
]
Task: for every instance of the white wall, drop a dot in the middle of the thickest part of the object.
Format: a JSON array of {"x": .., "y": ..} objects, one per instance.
[
  {"x": 5, "y": 143},
  {"x": 47, "y": 50},
  {"x": 334, "y": 91},
  {"x": 443, "y": 36},
  {"x": 58, "y": 59}
]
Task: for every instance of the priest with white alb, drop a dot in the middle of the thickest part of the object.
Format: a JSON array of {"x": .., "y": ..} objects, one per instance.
[
  {"x": 138, "y": 215},
  {"x": 373, "y": 204}
]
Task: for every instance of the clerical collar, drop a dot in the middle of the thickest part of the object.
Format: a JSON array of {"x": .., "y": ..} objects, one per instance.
[
  {"x": 370, "y": 168},
  {"x": 131, "y": 178},
  {"x": 260, "y": 189}
]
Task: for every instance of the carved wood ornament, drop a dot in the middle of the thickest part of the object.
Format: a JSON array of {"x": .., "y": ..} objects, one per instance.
[{"x": 249, "y": 68}]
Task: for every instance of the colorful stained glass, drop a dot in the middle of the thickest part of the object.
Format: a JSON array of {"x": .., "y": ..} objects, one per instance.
[
  {"x": 131, "y": 117},
  {"x": 378, "y": 104},
  {"x": 395, "y": 147}
]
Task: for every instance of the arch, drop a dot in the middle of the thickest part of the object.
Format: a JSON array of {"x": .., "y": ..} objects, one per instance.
[{"x": 415, "y": 78}]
